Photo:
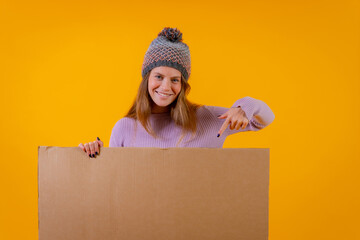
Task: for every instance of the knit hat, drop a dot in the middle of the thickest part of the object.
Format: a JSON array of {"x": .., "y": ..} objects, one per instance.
[{"x": 168, "y": 50}]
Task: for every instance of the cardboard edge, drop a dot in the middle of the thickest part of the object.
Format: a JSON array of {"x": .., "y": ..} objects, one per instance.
[
  {"x": 38, "y": 227},
  {"x": 41, "y": 150}
]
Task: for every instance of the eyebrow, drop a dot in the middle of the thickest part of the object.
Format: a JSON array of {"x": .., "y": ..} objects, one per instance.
[{"x": 163, "y": 75}]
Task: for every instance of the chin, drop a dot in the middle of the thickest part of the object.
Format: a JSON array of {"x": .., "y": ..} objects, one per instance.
[{"x": 163, "y": 104}]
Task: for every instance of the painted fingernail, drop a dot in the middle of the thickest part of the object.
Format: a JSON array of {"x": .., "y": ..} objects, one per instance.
[
  {"x": 93, "y": 155},
  {"x": 89, "y": 155},
  {"x": 218, "y": 135},
  {"x": 96, "y": 153},
  {"x": 98, "y": 138},
  {"x": 219, "y": 115}
]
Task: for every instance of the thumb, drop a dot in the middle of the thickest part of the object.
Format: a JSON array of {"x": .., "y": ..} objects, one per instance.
[{"x": 222, "y": 116}]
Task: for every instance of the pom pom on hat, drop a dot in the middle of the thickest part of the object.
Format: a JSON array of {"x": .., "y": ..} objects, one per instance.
[{"x": 172, "y": 34}]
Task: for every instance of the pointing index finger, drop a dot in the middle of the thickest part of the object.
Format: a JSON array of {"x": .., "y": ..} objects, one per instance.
[{"x": 223, "y": 127}]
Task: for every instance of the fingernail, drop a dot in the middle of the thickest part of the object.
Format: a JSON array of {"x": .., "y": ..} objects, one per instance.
[
  {"x": 96, "y": 153},
  {"x": 218, "y": 135},
  {"x": 98, "y": 138},
  {"x": 219, "y": 115},
  {"x": 93, "y": 155},
  {"x": 89, "y": 155}
]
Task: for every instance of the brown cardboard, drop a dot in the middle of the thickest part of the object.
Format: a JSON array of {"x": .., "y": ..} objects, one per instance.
[{"x": 153, "y": 193}]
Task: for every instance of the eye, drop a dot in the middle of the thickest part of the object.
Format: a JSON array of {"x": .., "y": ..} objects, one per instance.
[
  {"x": 158, "y": 76},
  {"x": 176, "y": 80}
]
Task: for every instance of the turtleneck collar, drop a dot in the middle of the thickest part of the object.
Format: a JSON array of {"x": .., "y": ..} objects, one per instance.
[{"x": 160, "y": 115}]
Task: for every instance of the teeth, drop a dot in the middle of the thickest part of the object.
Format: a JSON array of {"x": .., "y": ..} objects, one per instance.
[{"x": 165, "y": 95}]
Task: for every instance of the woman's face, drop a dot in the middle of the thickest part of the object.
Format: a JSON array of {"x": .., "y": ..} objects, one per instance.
[{"x": 164, "y": 86}]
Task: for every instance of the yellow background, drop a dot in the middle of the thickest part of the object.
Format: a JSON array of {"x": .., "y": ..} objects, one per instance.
[{"x": 70, "y": 69}]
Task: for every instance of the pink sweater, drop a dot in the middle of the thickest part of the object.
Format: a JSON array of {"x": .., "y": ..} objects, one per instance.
[{"x": 125, "y": 134}]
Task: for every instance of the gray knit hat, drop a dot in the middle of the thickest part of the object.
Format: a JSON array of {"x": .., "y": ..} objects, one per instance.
[{"x": 168, "y": 50}]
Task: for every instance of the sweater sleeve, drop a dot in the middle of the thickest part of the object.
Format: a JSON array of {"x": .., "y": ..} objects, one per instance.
[
  {"x": 118, "y": 133},
  {"x": 113, "y": 137},
  {"x": 257, "y": 112}
]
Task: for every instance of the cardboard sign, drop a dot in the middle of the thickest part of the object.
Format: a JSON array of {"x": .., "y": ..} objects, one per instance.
[{"x": 153, "y": 193}]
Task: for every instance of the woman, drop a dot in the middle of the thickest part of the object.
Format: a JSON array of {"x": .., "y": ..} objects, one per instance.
[{"x": 161, "y": 116}]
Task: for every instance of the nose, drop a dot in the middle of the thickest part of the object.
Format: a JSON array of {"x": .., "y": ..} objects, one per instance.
[{"x": 166, "y": 85}]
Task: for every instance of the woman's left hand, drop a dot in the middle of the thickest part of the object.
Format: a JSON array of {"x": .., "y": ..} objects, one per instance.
[{"x": 234, "y": 116}]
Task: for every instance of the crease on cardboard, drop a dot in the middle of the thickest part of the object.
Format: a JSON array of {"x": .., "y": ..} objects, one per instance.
[{"x": 134, "y": 176}]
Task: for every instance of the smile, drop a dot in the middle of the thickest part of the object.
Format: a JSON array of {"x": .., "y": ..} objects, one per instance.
[{"x": 164, "y": 95}]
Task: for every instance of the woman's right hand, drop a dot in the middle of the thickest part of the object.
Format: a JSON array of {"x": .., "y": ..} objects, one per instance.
[{"x": 92, "y": 148}]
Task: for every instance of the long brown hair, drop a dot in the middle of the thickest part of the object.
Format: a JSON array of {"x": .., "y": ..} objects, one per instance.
[{"x": 182, "y": 111}]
